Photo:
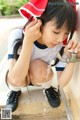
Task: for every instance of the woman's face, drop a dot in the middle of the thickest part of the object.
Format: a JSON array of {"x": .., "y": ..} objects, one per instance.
[{"x": 51, "y": 36}]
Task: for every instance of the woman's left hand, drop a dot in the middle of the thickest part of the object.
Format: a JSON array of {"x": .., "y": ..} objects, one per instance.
[{"x": 72, "y": 46}]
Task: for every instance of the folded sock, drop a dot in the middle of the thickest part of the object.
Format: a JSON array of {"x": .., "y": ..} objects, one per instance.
[
  {"x": 14, "y": 88},
  {"x": 46, "y": 84}
]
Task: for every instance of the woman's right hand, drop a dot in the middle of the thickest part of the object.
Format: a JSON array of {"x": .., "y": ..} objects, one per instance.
[{"x": 32, "y": 31}]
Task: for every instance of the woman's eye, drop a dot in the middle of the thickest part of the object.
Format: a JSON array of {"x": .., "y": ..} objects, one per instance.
[
  {"x": 55, "y": 32},
  {"x": 67, "y": 33}
]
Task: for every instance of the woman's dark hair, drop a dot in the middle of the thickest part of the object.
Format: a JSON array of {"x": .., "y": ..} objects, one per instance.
[{"x": 59, "y": 10}]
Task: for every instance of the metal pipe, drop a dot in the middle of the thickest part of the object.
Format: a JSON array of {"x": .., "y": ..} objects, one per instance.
[{"x": 72, "y": 59}]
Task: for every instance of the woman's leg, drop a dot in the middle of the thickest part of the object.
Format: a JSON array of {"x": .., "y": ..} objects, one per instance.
[
  {"x": 38, "y": 72},
  {"x": 38, "y": 76},
  {"x": 19, "y": 84},
  {"x": 13, "y": 97}
]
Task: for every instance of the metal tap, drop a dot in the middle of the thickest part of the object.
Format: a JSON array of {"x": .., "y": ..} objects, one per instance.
[{"x": 72, "y": 59}]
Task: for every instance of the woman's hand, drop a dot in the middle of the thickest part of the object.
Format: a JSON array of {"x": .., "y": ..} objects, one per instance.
[
  {"x": 32, "y": 30},
  {"x": 72, "y": 47}
]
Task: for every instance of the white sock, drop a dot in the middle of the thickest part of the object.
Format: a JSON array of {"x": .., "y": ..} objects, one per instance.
[
  {"x": 46, "y": 84},
  {"x": 13, "y": 87}
]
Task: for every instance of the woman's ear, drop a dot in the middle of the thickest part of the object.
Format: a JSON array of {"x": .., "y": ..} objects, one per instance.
[
  {"x": 41, "y": 25},
  {"x": 41, "y": 29}
]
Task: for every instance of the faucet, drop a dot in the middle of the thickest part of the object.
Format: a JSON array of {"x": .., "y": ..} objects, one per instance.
[{"x": 73, "y": 58}]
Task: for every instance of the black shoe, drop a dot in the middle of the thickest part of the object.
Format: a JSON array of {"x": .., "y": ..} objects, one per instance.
[
  {"x": 53, "y": 96},
  {"x": 12, "y": 101}
]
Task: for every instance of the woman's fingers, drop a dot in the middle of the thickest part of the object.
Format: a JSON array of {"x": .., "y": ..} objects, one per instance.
[
  {"x": 30, "y": 24},
  {"x": 34, "y": 25},
  {"x": 32, "y": 30},
  {"x": 69, "y": 46},
  {"x": 72, "y": 46},
  {"x": 77, "y": 49},
  {"x": 37, "y": 25}
]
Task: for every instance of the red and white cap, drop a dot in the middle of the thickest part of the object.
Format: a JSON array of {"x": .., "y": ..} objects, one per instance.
[{"x": 34, "y": 8}]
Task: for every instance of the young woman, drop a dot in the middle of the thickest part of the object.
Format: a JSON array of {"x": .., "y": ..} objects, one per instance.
[{"x": 29, "y": 54}]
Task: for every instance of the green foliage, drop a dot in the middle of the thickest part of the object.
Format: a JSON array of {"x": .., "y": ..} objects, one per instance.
[{"x": 10, "y": 7}]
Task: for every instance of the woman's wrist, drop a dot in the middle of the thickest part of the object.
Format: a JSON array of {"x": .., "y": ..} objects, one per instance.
[
  {"x": 28, "y": 40},
  {"x": 71, "y": 65}
]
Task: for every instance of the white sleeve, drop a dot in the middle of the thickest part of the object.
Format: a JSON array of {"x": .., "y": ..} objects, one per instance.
[
  {"x": 61, "y": 65},
  {"x": 13, "y": 36}
]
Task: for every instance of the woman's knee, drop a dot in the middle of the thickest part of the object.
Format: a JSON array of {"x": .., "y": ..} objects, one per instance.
[{"x": 38, "y": 71}]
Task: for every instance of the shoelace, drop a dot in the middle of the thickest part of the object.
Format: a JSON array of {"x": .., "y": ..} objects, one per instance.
[
  {"x": 13, "y": 96},
  {"x": 52, "y": 92}
]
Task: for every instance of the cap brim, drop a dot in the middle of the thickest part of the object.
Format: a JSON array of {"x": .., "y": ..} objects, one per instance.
[{"x": 27, "y": 11}]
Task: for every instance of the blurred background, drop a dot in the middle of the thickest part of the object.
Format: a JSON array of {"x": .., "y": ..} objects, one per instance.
[{"x": 10, "y": 7}]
